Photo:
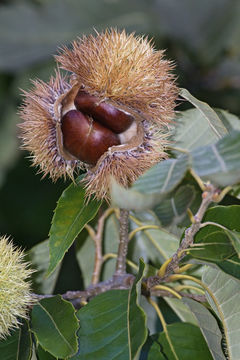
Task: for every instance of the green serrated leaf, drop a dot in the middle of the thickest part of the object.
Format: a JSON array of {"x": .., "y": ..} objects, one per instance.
[
  {"x": 192, "y": 128},
  {"x": 213, "y": 246},
  {"x": 181, "y": 310},
  {"x": 210, "y": 115},
  {"x": 228, "y": 216},
  {"x": 224, "y": 297},
  {"x": 187, "y": 344},
  {"x": 217, "y": 243},
  {"x": 230, "y": 121},
  {"x": 54, "y": 324},
  {"x": 39, "y": 259},
  {"x": 43, "y": 354},
  {"x": 163, "y": 177},
  {"x": 155, "y": 353},
  {"x": 231, "y": 266},
  {"x": 112, "y": 325},
  {"x": 173, "y": 208},
  {"x": 234, "y": 237},
  {"x": 103, "y": 321},
  {"x": 208, "y": 326},
  {"x": 17, "y": 346},
  {"x": 219, "y": 162},
  {"x": 71, "y": 215}
]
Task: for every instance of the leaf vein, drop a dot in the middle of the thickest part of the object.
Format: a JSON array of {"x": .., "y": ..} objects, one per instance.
[{"x": 51, "y": 318}]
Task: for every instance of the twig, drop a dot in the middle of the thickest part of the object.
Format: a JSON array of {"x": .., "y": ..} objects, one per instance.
[
  {"x": 77, "y": 298},
  {"x": 207, "y": 197},
  {"x": 123, "y": 243},
  {"x": 124, "y": 282},
  {"x": 97, "y": 238}
]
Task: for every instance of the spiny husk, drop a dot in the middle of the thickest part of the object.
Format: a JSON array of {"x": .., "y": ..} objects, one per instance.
[
  {"x": 39, "y": 127},
  {"x": 15, "y": 297}
]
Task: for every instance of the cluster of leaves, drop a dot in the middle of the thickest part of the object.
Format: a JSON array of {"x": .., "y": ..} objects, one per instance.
[{"x": 121, "y": 324}]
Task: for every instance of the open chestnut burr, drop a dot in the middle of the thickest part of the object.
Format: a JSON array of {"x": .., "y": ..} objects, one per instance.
[{"x": 109, "y": 114}]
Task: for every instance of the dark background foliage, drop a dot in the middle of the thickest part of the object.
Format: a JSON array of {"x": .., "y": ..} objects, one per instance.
[{"x": 202, "y": 37}]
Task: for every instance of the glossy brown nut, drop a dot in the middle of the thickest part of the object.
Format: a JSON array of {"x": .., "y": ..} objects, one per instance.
[
  {"x": 84, "y": 138},
  {"x": 85, "y": 102},
  {"x": 108, "y": 115}
]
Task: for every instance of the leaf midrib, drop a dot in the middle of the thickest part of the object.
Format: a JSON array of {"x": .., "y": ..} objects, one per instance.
[
  {"x": 56, "y": 327},
  {"x": 72, "y": 225}
]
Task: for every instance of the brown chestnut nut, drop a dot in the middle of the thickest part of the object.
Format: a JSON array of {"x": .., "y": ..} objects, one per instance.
[
  {"x": 84, "y": 138},
  {"x": 108, "y": 115},
  {"x": 85, "y": 102}
]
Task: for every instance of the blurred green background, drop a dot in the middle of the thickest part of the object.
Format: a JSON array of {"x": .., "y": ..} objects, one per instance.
[{"x": 202, "y": 37}]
